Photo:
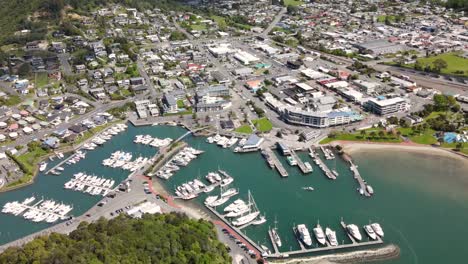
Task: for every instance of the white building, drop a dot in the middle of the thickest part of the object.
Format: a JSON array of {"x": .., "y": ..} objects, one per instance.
[{"x": 386, "y": 106}]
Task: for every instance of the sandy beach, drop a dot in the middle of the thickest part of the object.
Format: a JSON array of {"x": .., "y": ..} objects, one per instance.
[{"x": 350, "y": 147}]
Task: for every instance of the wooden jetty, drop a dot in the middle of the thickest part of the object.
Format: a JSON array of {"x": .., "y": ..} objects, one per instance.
[
  {"x": 278, "y": 165},
  {"x": 357, "y": 176},
  {"x": 322, "y": 165},
  {"x": 60, "y": 163},
  {"x": 300, "y": 163}
]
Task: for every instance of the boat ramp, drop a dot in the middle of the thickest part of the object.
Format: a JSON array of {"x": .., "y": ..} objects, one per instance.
[
  {"x": 317, "y": 249},
  {"x": 300, "y": 163},
  {"x": 321, "y": 164},
  {"x": 272, "y": 159}
]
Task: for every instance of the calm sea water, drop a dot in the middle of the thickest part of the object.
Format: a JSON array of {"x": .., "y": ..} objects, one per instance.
[{"x": 420, "y": 201}]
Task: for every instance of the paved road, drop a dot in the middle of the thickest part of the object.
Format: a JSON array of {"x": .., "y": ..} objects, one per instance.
[
  {"x": 66, "y": 67},
  {"x": 274, "y": 21}
]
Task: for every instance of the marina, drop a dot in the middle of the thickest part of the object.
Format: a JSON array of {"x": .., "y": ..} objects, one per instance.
[
  {"x": 305, "y": 169},
  {"x": 180, "y": 159},
  {"x": 322, "y": 165},
  {"x": 288, "y": 196},
  {"x": 90, "y": 184},
  {"x": 272, "y": 159},
  {"x": 152, "y": 141},
  {"x": 42, "y": 211},
  {"x": 90, "y": 144}
]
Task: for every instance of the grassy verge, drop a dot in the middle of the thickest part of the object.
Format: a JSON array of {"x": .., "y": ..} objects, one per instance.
[
  {"x": 292, "y": 2},
  {"x": 245, "y": 129},
  {"x": 11, "y": 100},
  {"x": 371, "y": 135},
  {"x": 263, "y": 124}
]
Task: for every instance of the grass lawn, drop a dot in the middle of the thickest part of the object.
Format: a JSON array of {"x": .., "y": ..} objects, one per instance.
[
  {"x": 263, "y": 124},
  {"x": 199, "y": 27},
  {"x": 41, "y": 79},
  {"x": 11, "y": 100},
  {"x": 292, "y": 2},
  {"x": 426, "y": 137},
  {"x": 219, "y": 19},
  {"x": 187, "y": 112},
  {"x": 29, "y": 161},
  {"x": 381, "y": 18},
  {"x": 358, "y": 137},
  {"x": 453, "y": 146},
  {"x": 180, "y": 103},
  {"x": 245, "y": 129},
  {"x": 454, "y": 62}
]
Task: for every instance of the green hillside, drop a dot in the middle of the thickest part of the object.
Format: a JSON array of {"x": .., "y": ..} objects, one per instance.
[{"x": 166, "y": 238}]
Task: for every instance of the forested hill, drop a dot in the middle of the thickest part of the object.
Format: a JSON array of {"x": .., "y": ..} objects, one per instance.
[
  {"x": 38, "y": 15},
  {"x": 166, "y": 238}
]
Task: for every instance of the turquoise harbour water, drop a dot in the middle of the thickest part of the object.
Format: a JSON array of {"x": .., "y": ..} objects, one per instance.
[{"x": 420, "y": 200}]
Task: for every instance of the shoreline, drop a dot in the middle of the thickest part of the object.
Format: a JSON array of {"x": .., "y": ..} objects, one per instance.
[{"x": 350, "y": 147}]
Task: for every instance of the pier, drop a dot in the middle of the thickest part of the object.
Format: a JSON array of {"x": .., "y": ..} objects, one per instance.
[
  {"x": 275, "y": 247},
  {"x": 357, "y": 176},
  {"x": 322, "y": 165},
  {"x": 305, "y": 250},
  {"x": 275, "y": 161},
  {"x": 61, "y": 163},
  {"x": 300, "y": 163},
  {"x": 235, "y": 229}
]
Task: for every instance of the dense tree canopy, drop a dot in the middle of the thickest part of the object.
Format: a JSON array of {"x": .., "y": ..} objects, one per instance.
[{"x": 166, "y": 238}]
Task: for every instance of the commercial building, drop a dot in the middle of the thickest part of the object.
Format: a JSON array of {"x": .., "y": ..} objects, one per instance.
[
  {"x": 384, "y": 106},
  {"x": 298, "y": 116},
  {"x": 245, "y": 57},
  {"x": 379, "y": 46}
]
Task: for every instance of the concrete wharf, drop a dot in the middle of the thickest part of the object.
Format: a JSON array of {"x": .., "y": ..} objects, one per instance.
[
  {"x": 357, "y": 176},
  {"x": 278, "y": 165},
  {"x": 322, "y": 165},
  {"x": 237, "y": 230},
  {"x": 304, "y": 250},
  {"x": 300, "y": 163}
]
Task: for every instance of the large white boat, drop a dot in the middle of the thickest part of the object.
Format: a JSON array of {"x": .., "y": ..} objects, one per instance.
[
  {"x": 369, "y": 189},
  {"x": 276, "y": 237},
  {"x": 42, "y": 166},
  {"x": 234, "y": 205},
  {"x": 229, "y": 193},
  {"x": 331, "y": 236},
  {"x": 219, "y": 202},
  {"x": 245, "y": 219},
  {"x": 259, "y": 221},
  {"x": 292, "y": 161},
  {"x": 370, "y": 232},
  {"x": 354, "y": 231},
  {"x": 378, "y": 229},
  {"x": 304, "y": 235},
  {"x": 319, "y": 235}
]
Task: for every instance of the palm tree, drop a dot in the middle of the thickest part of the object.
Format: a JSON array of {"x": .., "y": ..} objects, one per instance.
[
  {"x": 373, "y": 134},
  {"x": 363, "y": 133}
]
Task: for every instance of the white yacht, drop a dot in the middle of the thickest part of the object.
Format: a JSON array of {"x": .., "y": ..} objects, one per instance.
[
  {"x": 259, "y": 221},
  {"x": 276, "y": 237},
  {"x": 229, "y": 193},
  {"x": 370, "y": 232},
  {"x": 331, "y": 236},
  {"x": 42, "y": 166},
  {"x": 245, "y": 219},
  {"x": 219, "y": 202},
  {"x": 369, "y": 189},
  {"x": 354, "y": 231},
  {"x": 304, "y": 235},
  {"x": 377, "y": 229},
  {"x": 319, "y": 235}
]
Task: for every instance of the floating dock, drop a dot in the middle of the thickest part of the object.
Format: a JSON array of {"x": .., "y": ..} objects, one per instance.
[
  {"x": 357, "y": 176},
  {"x": 300, "y": 163},
  {"x": 278, "y": 165},
  {"x": 61, "y": 163},
  {"x": 275, "y": 247},
  {"x": 304, "y": 250},
  {"x": 322, "y": 165}
]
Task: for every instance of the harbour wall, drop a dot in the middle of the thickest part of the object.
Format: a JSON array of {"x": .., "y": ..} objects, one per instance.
[{"x": 361, "y": 256}]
